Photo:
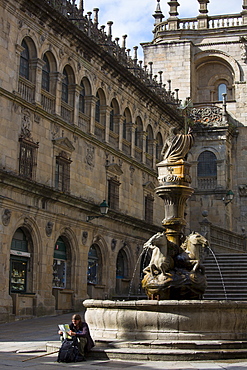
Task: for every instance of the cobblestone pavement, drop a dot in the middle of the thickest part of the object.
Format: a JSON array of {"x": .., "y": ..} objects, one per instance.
[{"x": 22, "y": 344}]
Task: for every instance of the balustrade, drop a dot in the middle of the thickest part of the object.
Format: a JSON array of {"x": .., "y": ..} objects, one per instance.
[
  {"x": 207, "y": 183},
  {"x": 26, "y": 89},
  {"x": 48, "y": 101},
  {"x": 67, "y": 112}
]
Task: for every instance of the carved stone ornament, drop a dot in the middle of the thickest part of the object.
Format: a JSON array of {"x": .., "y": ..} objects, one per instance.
[
  {"x": 242, "y": 190},
  {"x": 49, "y": 228},
  {"x": 26, "y": 124},
  {"x": 113, "y": 244},
  {"x": 207, "y": 116},
  {"x": 84, "y": 237},
  {"x": 6, "y": 217},
  {"x": 89, "y": 158}
]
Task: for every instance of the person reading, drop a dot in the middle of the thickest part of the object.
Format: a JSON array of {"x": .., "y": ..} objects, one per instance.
[{"x": 80, "y": 330}]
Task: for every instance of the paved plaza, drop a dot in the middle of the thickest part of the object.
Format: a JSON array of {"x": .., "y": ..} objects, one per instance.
[{"x": 24, "y": 342}]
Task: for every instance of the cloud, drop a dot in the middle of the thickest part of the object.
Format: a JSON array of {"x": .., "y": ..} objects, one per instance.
[{"x": 134, "y": 17}]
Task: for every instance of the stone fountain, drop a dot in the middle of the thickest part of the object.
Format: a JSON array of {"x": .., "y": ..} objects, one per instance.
[{"x": 174, "y": 282}]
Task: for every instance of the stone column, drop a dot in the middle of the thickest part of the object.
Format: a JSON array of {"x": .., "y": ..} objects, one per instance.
[
  {"x": 120, "y": 131},
  {"x": 132, "y": 140},
  {"x": 144, "y": 136},
  {"x": 244, "y": 12},
  {"x": 154, "y": 153},
  {"x": 58, "y": 91},
  {"x": 93, "y": 101},
  {"x": 203, "y": 17},
  {"x": 107, "y": 111},
  {"x": 77, "y": 91},
  {"x": 36, "y": 66},
  {"x": 173, "y": 19}
]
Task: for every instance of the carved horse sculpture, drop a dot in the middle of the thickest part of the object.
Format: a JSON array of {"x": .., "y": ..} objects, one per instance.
[
  {"x": 194, "y": 247},
  {"x": 160, "y": 261},
  {"x": 175, "y": 272}
]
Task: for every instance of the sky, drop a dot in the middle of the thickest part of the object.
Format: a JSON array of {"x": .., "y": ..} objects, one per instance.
[{"x": 134, "y": 17}]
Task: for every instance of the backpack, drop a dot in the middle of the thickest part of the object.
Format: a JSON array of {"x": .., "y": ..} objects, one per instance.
[{"x": 69, "y": 351}]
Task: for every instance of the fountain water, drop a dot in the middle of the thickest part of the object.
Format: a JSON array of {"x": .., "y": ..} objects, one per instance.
[
  {"x": 218, "y": 266},
  {"x": 134, "y": 273}
]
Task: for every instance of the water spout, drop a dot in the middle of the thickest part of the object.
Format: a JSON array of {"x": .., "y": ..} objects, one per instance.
[
  {"x": 221, "y": 276},
  {"x": 134, "y": 272}
]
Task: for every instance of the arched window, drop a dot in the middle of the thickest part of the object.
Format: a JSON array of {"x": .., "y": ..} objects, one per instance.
[
  {"x": 65, "y": 87},
  {"x": 124, "y": 129},
  {"x": 149, "y": 140},
  {"x": 46, "y": 74},
  {"x": 61, "y": 265},
  {"x": 112, "y": 118},
  {"x": 222, "y": 89},
  {"x": 82, "y": 99},
  {"x": 94, "y": 265},
  {"x": 97, "y": 108},
  {"x": 126, "y": 125},
  {"x": 138, "y": 132},
  {"x": 24, "y": 61},
  {"x": 19, "y": 259},
  {"x": 159, "y": 146},
  {"x": 122, "y": 265},
  {"x": 207, "y": 170}
]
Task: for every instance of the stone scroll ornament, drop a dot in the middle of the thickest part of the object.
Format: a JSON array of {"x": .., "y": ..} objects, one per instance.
[
  {"x": 175, "y": 272},
  {"x": 177, "y": 145}
]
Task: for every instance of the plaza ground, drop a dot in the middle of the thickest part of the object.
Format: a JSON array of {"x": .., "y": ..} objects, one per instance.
[{"x": 21, "y": 342}]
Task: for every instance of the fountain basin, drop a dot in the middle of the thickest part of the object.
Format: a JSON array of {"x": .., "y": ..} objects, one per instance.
[{"x": 167, "y": 320}]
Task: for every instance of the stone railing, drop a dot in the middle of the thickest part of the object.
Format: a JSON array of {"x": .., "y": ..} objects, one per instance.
[
  {"x": 26, "y": 89},
  {"x": 89, "y": 26},
  {"x": 222, "y": 240},
  {"x": 206, "y": 183},
  {"x": 48, "y": 101},
  {"x": 213, "y": 22},
  {"x": 67, "y": 112}
]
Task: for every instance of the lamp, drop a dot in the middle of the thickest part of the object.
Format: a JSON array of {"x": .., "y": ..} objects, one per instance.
[
  {"x": 103, "y": 211},
  {"x": 229, "y": 197}
]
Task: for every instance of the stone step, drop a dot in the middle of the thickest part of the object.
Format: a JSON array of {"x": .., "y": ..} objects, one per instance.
[
  {"x": 176, "y": 344},
  {"x": 158, "y": 350},
  {"x": 166, "y": 354}
]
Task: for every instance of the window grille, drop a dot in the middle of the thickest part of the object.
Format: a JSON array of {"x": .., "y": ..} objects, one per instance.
[
  {"x": 149, "y": 208},
  {"x": 62, "y": 174},
  {"x": 113, "y": 194},
  {"x": 24, "y": 61},
  {"x": 124, "y": 129},
  {"x": 27, "y": 159},
  {"x": 46, "y": 74},
  {"x": 207, "y": 170},
  {"x": 82, "y": 99},
  {"x": 94, "y": 265},
  {"x": 65, "y": 87},
  {"x": 221, "y": 90},
  {"x": 112, "y": 119},
  {"x": 122, "y": 265},
  {"x": 97, "y": 109}
]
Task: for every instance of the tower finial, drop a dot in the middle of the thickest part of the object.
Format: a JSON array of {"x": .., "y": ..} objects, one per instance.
[{"x": 158, "y": 16}]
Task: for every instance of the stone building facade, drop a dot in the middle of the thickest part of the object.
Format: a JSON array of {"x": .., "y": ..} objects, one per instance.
[
  {"x": 205, "y": 58},
  {"x": 81, "y": 123}
]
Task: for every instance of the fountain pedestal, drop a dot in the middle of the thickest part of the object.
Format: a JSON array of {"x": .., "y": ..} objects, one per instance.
[
  {"x": 174, "y": 188},
  {"x": 167, "y": 320}
]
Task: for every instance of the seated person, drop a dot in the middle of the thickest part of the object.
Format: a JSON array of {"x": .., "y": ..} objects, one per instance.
[{"x": 80, "y": 329}]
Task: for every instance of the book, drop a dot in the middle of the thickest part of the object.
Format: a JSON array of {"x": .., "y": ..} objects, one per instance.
[{"x": 65, "y": 329}]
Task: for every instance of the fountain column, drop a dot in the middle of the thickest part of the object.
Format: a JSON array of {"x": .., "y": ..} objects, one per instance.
[{"x": 174, "y": 188}]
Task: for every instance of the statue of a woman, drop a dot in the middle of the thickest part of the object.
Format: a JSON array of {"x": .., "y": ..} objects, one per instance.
[{"x": 177, "y": 145}]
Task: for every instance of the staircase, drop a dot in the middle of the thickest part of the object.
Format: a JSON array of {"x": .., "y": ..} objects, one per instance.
[{"x": 233, "y": 269}]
